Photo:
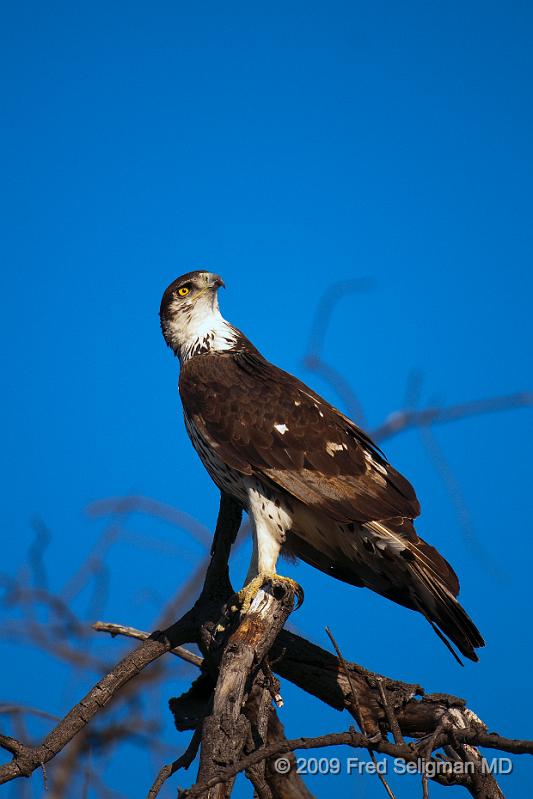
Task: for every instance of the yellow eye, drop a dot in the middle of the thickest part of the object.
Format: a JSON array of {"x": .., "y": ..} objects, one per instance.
[{"x": 183, "y": 291}]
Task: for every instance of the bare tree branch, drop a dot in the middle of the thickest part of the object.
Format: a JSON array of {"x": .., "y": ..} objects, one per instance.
[
  {"x": 141, "y": 635},
  {"x": 231, "y": 667}
]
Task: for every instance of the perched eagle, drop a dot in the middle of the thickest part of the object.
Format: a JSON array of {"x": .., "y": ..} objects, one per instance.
[{"x": 313, "y": 483}]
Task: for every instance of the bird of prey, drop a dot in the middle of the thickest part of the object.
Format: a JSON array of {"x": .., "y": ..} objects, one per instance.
[{"x": 313, "y": 483}]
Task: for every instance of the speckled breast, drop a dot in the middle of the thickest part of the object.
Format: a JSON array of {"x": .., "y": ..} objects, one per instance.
[{"x": 227, "y": 479}]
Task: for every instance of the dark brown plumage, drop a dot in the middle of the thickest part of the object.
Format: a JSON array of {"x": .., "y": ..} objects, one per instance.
[{"x": 338, "y": 504}]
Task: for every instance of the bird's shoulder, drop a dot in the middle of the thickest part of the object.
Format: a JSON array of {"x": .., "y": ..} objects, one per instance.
[
  {"x": 254, "y": 412},
  {"x": 246, "y": 385}
]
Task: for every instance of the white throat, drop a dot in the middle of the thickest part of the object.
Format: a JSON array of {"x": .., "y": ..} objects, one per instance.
[{"x": 200, "y": 330}]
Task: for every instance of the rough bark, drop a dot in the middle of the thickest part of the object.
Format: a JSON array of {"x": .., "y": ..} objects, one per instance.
[{"x": 229, "y": 706}]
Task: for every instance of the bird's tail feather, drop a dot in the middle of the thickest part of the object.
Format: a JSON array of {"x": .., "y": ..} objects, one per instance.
[
  {"x": 432, "y": 589},
  {"x": 390, "y": 558},
  {"x": 447, "y": 617}
]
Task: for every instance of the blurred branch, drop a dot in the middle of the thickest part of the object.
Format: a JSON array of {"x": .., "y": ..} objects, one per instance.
[
  {"x": 151, "y": 507},
  {"x": 348, "y": 397},
  {"x": 26, "y": 759},
  {"x": 36, "y": 553},
  {"x": 326, "y": 305},
  {"x": 235, "y": 673},
  {"x": 313, "y": 359},
  {"x": 11, "y": 709},
  {"x": 453, "y": 488},
  {"x": 399, "y": 421}
]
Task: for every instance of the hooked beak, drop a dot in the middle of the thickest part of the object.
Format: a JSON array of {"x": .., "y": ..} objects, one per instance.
[{"x": 215, "y": 281}]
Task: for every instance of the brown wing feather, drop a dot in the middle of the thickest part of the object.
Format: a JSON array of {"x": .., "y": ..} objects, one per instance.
[{"x": 262, "y": 420}]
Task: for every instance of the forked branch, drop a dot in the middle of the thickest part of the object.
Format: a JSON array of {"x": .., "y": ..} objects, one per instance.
[{"x": 229, "y": 707}]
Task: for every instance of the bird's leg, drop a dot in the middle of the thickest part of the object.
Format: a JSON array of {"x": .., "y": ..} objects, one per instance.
[{"x": 266, "y": 549}]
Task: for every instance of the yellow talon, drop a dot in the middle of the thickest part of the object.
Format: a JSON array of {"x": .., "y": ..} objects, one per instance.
[{"x": 247, "y": 594}]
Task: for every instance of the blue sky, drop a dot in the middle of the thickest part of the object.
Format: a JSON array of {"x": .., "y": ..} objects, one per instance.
[{"x": 285, "y": 147}]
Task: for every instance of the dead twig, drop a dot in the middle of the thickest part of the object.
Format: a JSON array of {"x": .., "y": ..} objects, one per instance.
[
  {"x": 356, "y": 711},
  {"x": 141, "y": 635},
  {"x": 184, "y": 761}
]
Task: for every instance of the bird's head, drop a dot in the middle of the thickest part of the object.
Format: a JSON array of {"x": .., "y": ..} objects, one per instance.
[{"x": 189, "y": 309}]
